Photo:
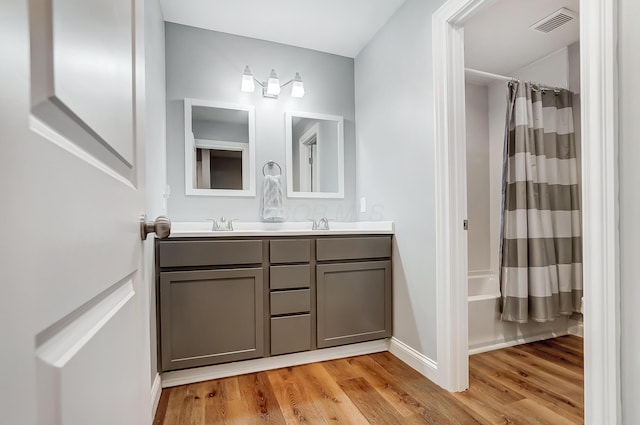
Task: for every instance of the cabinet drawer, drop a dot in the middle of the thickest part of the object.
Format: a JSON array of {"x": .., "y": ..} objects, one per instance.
[
  {"x": 290, "y": 251},
  {"x": 289, "y": 277},
  {"x": 353, "y": 248},
  {"x": 209, "y": 253},
  {"x": 290, "y": 334},
  {"x": 288, "y": 302}
]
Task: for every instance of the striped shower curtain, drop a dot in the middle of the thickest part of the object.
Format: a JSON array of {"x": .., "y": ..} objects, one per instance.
[{"x": 541, "y": 247}]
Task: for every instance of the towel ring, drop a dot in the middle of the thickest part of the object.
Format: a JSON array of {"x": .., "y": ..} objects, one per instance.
[{"x": 271, "y": 164}]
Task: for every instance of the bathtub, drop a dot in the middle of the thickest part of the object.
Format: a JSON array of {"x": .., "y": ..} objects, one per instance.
[
  {"x": 487, "y": 332},
  {"x": 483, "y": 286}
]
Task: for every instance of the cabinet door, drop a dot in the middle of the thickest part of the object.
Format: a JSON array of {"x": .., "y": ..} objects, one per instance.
[
  {"x": 210, "y": 316},
  {"x": 354, "y": 302}
]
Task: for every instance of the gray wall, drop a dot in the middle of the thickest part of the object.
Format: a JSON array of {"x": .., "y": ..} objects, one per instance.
[
  {"x": 328, "y": 136},
  {"x": 629, "y": 62},
  {"x": 208, "y": 65},
  {"x": 155, "y": 147},
  {"x": 326, "y": 151},
  {"x": 226, "y": 132},
  {"x": 395, "y": 150}
]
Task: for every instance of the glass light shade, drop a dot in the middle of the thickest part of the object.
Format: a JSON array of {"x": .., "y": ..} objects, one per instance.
[
  {"x": 247, "y": 84},
  {"x": 273, "y": 84},
  {"x": 247, "y": 81},
  {"x": 297, "y": 89}
]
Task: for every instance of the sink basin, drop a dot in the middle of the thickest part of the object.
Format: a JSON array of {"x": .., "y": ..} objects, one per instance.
[{"x": 240, "y": 228}]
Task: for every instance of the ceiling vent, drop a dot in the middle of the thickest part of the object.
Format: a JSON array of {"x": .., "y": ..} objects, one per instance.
[{"x": 555, "y": 20}]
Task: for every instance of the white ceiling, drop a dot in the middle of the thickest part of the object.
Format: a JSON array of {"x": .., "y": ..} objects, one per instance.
[
  {"x": 334, "y": 26},
  {"x": 498, "y": 39}
]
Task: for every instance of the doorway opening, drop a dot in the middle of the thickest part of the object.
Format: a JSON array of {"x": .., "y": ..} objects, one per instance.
[{"x": 598, "y": 117}]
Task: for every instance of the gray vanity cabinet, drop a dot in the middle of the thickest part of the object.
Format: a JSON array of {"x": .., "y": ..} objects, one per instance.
[
  {"x": 211, "y": 300},
  {"x": 224, "y": 300},
  {"x": 353, "y": 297},
  {"x": 211, "y": 316}
]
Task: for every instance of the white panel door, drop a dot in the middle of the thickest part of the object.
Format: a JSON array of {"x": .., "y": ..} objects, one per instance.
[{"x": 73, "y": 303}]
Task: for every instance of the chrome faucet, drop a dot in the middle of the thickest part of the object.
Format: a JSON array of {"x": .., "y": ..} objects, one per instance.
[
  {"x": 222, "y": 225},
  {"x": 322, "y": 224}
]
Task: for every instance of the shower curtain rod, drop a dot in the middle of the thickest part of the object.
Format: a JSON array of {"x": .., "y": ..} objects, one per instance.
[
  {"x": 489, "y": 75},
  {"x": 508, "y": 79}
]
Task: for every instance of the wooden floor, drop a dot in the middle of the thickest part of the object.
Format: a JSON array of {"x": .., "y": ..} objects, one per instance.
[{"x": 538, "y": 383}]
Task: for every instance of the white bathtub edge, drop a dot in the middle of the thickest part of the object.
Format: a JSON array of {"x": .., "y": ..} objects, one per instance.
[
  {"x": 481, "y": 273},
  {"x": 577, "y": 329},
  {"x": 505, "y": 344},
  {"x": 493, "y": 296}
]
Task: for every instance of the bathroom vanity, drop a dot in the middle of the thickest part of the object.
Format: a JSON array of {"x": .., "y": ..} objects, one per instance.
[{"x": 252, "y": 293}]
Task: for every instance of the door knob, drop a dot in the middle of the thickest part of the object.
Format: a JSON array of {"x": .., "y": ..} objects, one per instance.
[{"x": 161, "y": 227}]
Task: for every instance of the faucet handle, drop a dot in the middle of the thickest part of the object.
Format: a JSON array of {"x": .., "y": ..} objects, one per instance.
[
  {"x": 222, "y": 224},
  {"x": 323, "y": 223},
  {"x": 215, "y": 224},
  {"x": 314, "y": 226}
]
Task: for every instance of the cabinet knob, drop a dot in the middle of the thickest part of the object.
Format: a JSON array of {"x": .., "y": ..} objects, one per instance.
[{"x": 161, "y": 227}]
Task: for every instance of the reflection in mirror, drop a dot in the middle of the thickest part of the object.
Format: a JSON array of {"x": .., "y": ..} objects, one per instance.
[
  {"x": 315, "y": 158},
  {"x": 219, "y": 149}
]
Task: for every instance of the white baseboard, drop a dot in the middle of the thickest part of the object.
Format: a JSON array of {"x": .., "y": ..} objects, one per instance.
[
  {"x": 156, "y": 390},
  {"x": 189, "y": 376},
  {"x": 511, "y": 343},
  {"x": 415, "y": 359}
]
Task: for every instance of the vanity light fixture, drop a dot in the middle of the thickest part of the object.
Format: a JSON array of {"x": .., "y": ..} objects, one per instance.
[{"x": 272, "y": 87}]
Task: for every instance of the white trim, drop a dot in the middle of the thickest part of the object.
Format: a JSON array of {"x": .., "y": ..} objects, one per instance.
[
  {"x": 289, "y": 158},
  {"x": 599, "y": 97},
  {"x": 189, "y": 376},
  {"x": 518, "y": 341},
  {"x": 189, "y": 150},
  {"x": 156, "y": 391},
  {"x": 414, "y": 358},
  {"x": 305, "y": 150},
  {"x": 451, "y": 190},
  {"x": 598, "y": 66}
]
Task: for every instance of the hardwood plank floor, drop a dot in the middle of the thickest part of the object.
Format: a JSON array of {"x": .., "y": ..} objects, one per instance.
[{"x": 537, "y": 383}]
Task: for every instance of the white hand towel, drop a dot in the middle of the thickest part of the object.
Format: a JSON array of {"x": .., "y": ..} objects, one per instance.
[{"x": 272, "y": 199}]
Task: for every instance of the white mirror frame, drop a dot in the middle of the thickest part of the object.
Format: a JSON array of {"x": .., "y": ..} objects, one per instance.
[
  {"x": 339, "y": 120},
  {"x": 189, "y": 151}
]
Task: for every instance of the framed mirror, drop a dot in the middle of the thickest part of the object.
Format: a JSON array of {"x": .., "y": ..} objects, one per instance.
[
  {"x": 315, "y": 155},
  {"x": 219, "y": 148}
]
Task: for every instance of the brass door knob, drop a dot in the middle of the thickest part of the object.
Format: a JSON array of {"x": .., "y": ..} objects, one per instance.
[{"x": 161, "y": 227}]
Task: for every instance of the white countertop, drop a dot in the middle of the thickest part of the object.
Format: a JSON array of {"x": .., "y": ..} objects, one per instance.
[{"x": 203, "y": 229}]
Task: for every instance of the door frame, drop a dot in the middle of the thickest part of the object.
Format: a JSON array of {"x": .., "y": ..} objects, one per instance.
[
  {"x": 598, "y": 68},
  {"x": 308, "y": 172}
]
